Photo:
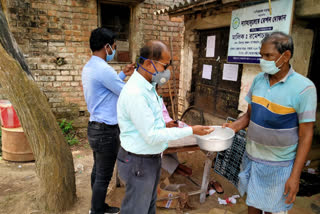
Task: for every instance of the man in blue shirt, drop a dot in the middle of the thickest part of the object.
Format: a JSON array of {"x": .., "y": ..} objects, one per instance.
[
  {"x": 102, "y": 86},
  {"x": 280, "y": 118},
  {"x": 144, "y": 135}
]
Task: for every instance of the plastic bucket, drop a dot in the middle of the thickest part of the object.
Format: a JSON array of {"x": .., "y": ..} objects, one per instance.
[{"x": 8, "y": 115}]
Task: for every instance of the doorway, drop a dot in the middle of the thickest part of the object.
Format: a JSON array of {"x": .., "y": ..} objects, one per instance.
[
  {"x": 213, "y": 94},
  {"x": 314, "y": 74}
]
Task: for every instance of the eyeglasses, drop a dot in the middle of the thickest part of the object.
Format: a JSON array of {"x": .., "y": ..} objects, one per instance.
[{"x": 164, "y": 65}]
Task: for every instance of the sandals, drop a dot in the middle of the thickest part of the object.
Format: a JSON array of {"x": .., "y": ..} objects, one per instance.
[{"x": 216, "y": 186}]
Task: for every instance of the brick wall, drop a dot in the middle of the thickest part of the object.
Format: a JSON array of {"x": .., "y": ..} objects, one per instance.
[
  {"x": 163, "y": 28},
  {"x": 54, "y": 37},
  {"x": 47, "y": 31}
]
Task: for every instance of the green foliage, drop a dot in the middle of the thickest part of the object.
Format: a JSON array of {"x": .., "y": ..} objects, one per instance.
[{"x": 68, "y": 132}]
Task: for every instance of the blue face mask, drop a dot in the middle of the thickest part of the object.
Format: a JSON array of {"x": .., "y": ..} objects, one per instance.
[
  {"x": 159, "y": 78},
  {"x": 270, "y": 67},
  {"x": 110, "y": 57}
]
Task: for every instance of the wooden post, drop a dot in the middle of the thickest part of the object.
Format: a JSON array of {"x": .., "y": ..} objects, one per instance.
[
  {"x": 206, "y": 175},
  {"x": 172, "y": 104},
  {"x": 270, "y": 8},
  {"x": 174, "y": 84}
]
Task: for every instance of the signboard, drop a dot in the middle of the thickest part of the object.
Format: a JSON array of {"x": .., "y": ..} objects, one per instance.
[{"x": 250, "y": 25}]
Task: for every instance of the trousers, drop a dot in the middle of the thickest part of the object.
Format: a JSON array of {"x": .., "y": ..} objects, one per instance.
[
  {"x": 141, "y": 176},
  {"x": 104, "y": 141}
]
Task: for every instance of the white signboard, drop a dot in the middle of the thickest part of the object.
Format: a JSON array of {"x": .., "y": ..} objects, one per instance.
[
  {"x": 211, "y": 45},
  {"x": 250, "y": 25},
  {"x": 230, "y": 72},
  {"x": 206, "y": 72}
]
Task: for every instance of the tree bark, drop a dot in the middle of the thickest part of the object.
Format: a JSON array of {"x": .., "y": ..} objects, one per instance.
[
  {"x": 8, "y": 41},
  {"x": 53, "y": 158}
]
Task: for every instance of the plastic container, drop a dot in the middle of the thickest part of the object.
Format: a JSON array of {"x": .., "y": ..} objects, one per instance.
[
  {"x": 15, "y": 146},
  {"x": 218, "y": 140},
  {"x": 8, "y": 115}
]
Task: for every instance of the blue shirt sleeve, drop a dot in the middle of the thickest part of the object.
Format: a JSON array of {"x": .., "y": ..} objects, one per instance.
[
  {"x": 112, "y": 81},
  {"x": 307, "y": 105},
  {"x": 121, "y": 75},
  {"x": 143, "y": 119}
]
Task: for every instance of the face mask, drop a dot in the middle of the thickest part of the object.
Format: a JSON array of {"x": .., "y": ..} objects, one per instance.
[
  {"x": 270, "y": 67},
  {"x": 159, "y": 78},
  {"x": 110, "y": 57}
]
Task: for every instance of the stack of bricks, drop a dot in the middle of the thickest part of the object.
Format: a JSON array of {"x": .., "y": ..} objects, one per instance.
[{"x": 54, "y": 37}]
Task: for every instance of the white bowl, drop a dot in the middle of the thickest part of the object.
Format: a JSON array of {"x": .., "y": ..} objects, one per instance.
[{"x": 218, "y": 140}]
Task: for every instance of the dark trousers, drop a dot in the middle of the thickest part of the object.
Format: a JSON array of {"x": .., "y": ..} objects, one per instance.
[
  {"x": 104, "y": 141},
  {"x": 141, "y": 176}
]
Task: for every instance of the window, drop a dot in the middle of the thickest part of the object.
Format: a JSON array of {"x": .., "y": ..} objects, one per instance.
[{"x": 117, "y": 18}]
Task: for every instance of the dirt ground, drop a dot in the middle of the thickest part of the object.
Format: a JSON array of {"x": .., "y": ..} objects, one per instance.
[{"x": 18, "y": 185}]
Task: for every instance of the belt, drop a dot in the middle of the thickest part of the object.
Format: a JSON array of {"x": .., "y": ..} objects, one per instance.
[
  {"x": 142, "y": 155},
  {"x": 102, "y": 125}
]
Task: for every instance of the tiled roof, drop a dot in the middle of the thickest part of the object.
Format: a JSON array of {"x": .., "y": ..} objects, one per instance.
[
  {"x": 187, "y": 4},
  {"x": 194, "y": 6}
]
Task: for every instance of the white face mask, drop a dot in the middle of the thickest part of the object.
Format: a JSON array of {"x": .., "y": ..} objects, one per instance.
[{"x": 270, "y": 67}]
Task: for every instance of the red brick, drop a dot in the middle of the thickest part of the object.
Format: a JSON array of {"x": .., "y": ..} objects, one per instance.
[{"x": 177, "y": 19}]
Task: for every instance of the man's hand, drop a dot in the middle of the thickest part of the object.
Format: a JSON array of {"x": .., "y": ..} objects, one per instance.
[
  {"x": 202, "y": 130},
  {"x": 171, "y": 124},
  {"x": 240, "y": 123},
  {"x": 291, "y": 189},
  {"x": 305, "y": 141},
  {"x": 231, "y": 126},
  {"x": 129, "y": 69}
]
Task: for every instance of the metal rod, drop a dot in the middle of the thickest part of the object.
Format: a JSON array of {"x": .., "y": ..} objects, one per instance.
[{"x": 190, "y": 179}]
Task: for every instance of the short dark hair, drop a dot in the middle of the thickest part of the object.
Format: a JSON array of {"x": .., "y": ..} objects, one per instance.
[
  {"x": 100, "y": 37},
  {"x": 281, "y": 41},
  {"x": 152, "y": 50}
]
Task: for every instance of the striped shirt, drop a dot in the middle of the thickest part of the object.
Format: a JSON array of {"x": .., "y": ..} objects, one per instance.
[{"x": 276, "y": 112}]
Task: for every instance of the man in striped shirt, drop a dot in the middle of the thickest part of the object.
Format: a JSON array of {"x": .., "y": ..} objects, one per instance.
[{"x": 280, "y": 118}]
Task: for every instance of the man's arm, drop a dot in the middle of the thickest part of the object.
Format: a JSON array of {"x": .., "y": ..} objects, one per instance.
[
  {"x": 305, "y": 141},
  {"x": 240, "y": 123},
  {"x": 143, "y": 119},
  {"x": 114, "y": 82},
  {"x": 127, "y": 71}
]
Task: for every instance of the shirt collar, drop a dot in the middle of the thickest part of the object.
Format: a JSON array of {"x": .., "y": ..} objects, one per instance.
[
  {"x": 136, "y": 75},
  {"x": 100, "y": 60},
  {"x": 284, "y": 79}
]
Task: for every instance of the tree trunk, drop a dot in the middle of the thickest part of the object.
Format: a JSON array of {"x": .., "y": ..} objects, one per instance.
[{"x": 54, "y": 162}]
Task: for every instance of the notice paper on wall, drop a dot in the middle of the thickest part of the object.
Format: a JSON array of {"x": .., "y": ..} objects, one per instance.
[
  {"x": 206, "y": 72},
  {"x": 211, "y": 45},
  {"x": 230, "y": 72}
]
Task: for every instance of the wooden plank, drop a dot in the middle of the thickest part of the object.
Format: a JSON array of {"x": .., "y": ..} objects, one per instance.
[
  {"x": 186, "y": 141},
  {"x": 181, "y": 149}
]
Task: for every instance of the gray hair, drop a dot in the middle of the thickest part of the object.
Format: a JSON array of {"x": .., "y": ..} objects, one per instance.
[{"x": 281, "y": 41}]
